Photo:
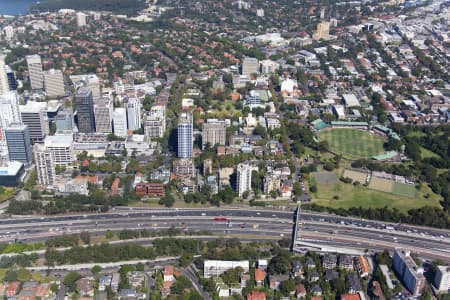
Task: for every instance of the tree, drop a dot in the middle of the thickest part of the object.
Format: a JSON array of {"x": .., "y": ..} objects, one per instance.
[
  {"x": 109, "y": 234},
  {"x": 181, "y": 285},
  {"x": 287, "y": 286},
  {"x": 96, "y": 269},
  {"x": 280, "y": 264},
  {"x": 70, "y": 280},
  {"x": 232, "y": 275},
  {"x": 185, "y": 259},
  {"x": 11, "y": 275},
  {"x": 85, "y": 237},
  {"x": 140, "y": 267}
]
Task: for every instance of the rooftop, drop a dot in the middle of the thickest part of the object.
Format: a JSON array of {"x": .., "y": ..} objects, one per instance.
[{"x": 10, "y": 168}]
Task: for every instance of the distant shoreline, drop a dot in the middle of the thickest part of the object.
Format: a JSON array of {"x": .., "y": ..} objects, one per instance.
[{"x": 16, "y": 7}]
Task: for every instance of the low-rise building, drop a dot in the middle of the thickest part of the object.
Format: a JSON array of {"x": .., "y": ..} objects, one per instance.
[
  {"x": 362, "y": 266},
  {"x": 85, "y": 287},
  {"x": 346, "y": 262},
  {"x": 212, "y": 268},
  {"x": 442, "y": 278},
  {"x": 329, "y": 261},
  {"x": 300, "y": 291},
  {"x": 256, "y": 295},
  {"x": 353, "y": 283},
  {"x": 152, "y": 189},
  {"x": 104, "y": 282},
  {"x": 275, "y": 281},
  {"x": 260, "y": 277}
]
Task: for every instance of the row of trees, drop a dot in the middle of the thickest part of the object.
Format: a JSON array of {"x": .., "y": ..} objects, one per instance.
[{"x": 424, "y": 216}]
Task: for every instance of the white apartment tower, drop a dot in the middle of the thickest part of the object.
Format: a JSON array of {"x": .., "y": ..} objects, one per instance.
[
  {"x": 244, "y": 177},
  {"x": 134, "y": 114},
  {"x": 81, "y": 19},
  {"x": 54, "y": 83},
  {"x": 185, "y": 136},
  {"x": 45, "y": 166},
  {"x": 9, "y": 32},
  {"x": 120, "y": 122},
  {"x": 61, "y": 149},
  {"x": 103, "y": 110},
  {"x": 35, "y": 71},
  {"x": 155, "y": 122},
  {"x": 4, "y": 86}
]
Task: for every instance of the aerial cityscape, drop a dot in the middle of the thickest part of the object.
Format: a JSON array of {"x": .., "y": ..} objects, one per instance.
[{"x": 199, "y": 149}]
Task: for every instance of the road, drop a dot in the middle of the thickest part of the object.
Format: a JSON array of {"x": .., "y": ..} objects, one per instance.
[{"x": 316, "y": 228}]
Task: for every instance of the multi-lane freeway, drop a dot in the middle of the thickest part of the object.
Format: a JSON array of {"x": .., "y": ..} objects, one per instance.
[{"x": 323, "y": 230}]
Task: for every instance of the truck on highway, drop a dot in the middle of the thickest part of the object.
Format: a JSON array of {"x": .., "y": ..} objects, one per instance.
[{"x": 255, "y": 226}]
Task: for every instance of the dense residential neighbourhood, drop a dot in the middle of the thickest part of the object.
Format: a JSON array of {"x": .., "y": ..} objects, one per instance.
[{"x": 225, "y": 150}]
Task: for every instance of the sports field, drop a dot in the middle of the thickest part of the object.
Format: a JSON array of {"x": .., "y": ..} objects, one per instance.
[
  {"x": 381, "y": 184},
  {"x": 408, "y": 190},
  {"x": 354, "y": 196},
  {"x": 355, "y": 175},
  {"x": 352, "y": 143}
]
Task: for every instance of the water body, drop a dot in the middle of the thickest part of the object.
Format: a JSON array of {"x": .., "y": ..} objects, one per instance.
[{"x": 15, "y": 7}]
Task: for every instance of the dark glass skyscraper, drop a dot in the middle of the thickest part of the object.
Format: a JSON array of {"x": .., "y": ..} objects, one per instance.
[{"x": 85, "y": 110}]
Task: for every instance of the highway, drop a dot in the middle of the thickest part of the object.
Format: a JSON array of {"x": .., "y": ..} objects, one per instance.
[{"x": 313, "y": 228}]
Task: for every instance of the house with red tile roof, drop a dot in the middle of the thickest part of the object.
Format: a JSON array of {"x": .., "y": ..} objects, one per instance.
[
  {"x": 260, "y": 276},
  {"x": 256, "y": 295}
]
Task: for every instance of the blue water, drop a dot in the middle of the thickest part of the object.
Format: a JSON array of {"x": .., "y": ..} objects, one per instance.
[{"x": 15, "y": 7}]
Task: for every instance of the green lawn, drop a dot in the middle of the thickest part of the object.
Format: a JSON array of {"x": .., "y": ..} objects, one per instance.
[
  {"x": 352, "y": 143},
  {"x": 6, "y": 193},
  {"x": 407, "y": 190},
  {"x": 425, "y": 153},
  {"x": 355, "y": 196}
]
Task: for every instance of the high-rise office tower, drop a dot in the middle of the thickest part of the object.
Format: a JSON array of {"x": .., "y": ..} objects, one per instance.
[
  {"x": 103, "y": 110},
  {"x": 244, "y": 177},
  {"x": 214, "y": 133},
  {"x": 185, "y": 136},
  {"x": 4, "y": 86},
  {"x": 45, "y": 166},
  {"x": 9, "y": 113},
  {"x": 120, "y": 122},
  {"x": 35, "y": 71},
  {"x": 81, "y": 19},
  {"x": 85, "y": 110},
  {"x": 12, "y": 82},
  {"x": 64, "y": 119},
  {"x": 18, "y": 142},
  {"x": 34, "y": 115},
  {"x": 54, "y": 83},
  {"x": 250, "y": 65},
  {"x": 134, "y": 113}
]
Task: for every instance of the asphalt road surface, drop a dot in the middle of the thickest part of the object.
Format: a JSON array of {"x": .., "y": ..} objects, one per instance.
[{"x": 318, "y": 228}]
